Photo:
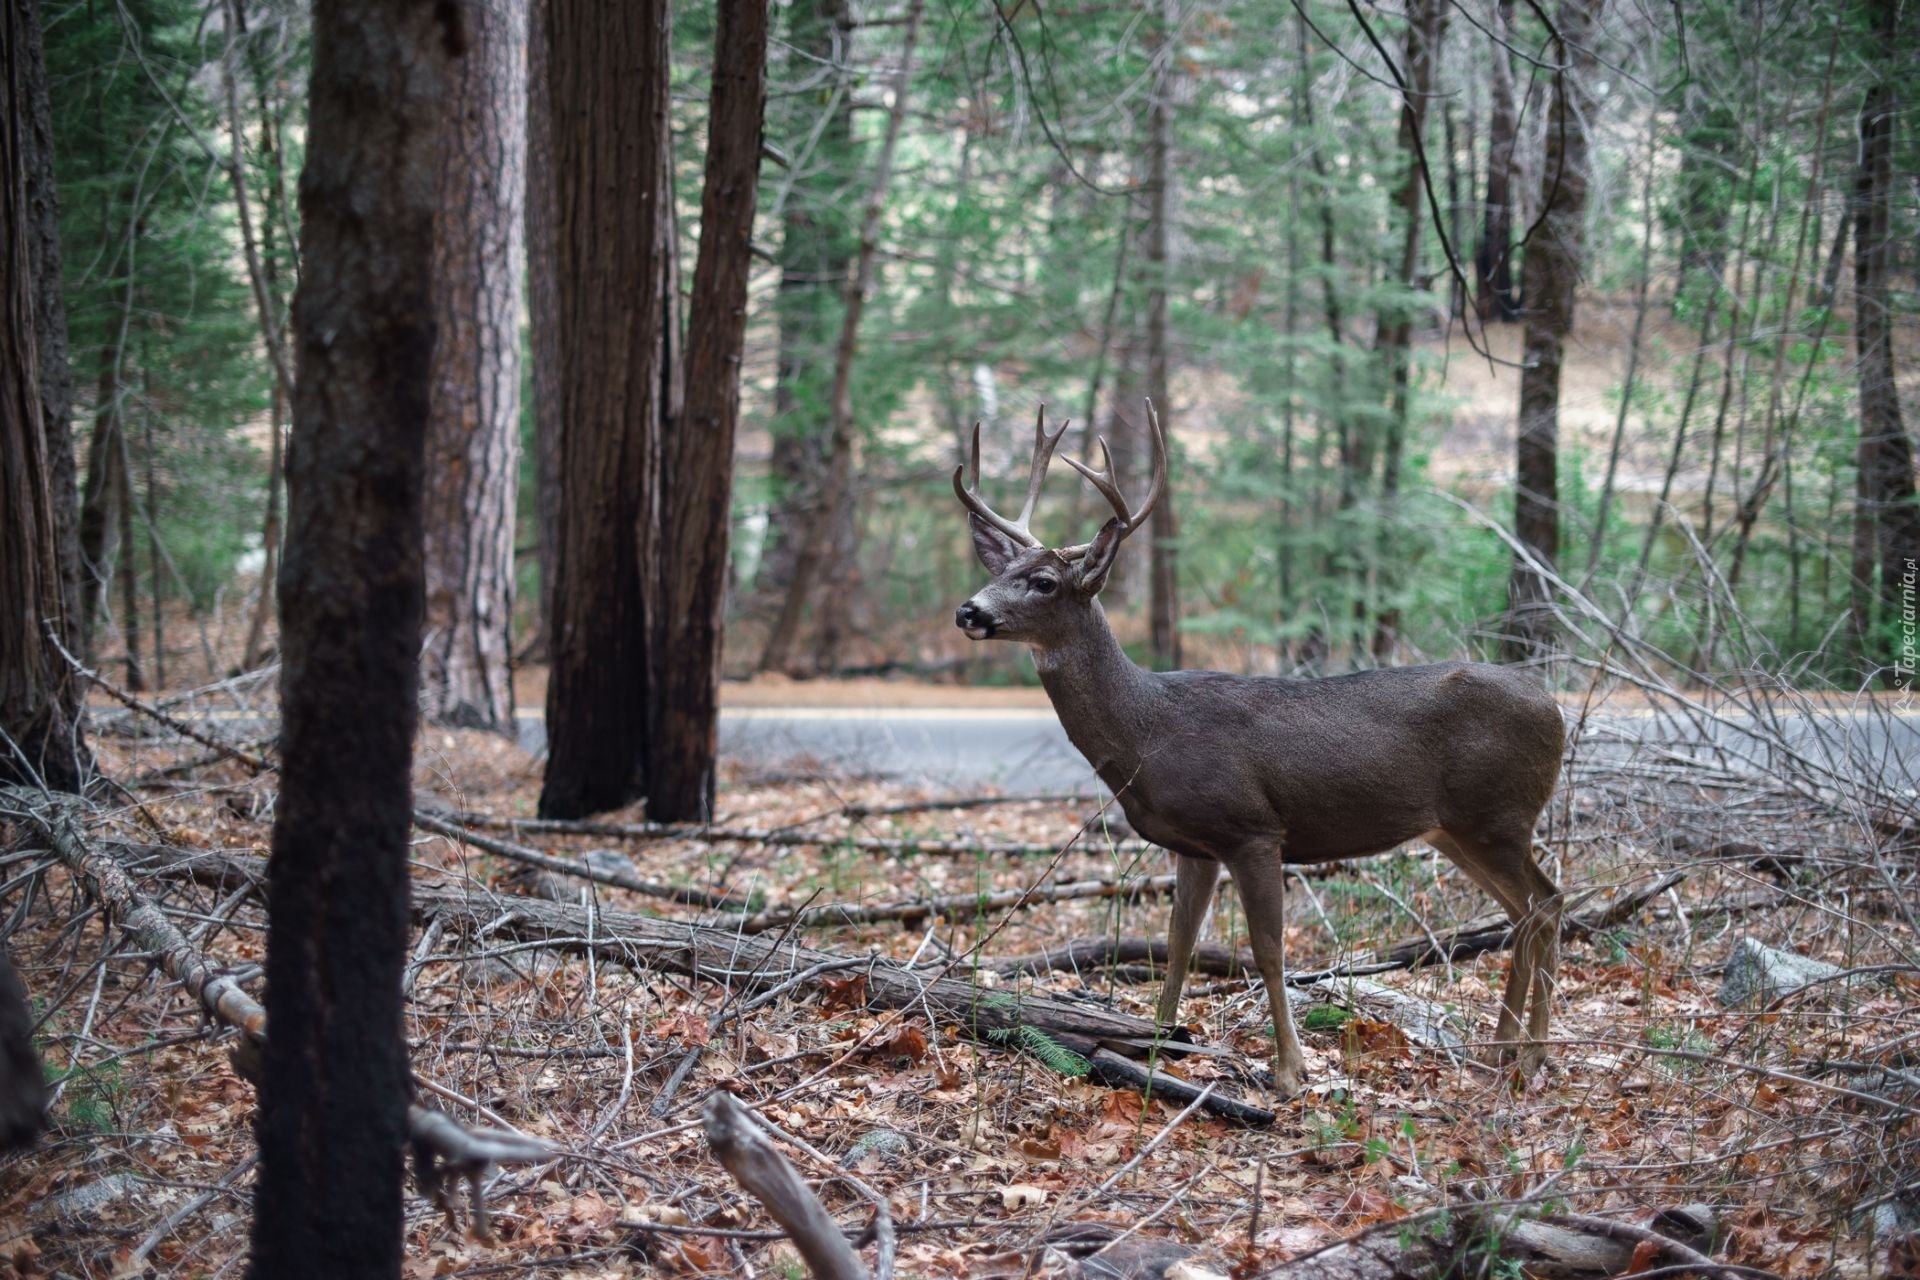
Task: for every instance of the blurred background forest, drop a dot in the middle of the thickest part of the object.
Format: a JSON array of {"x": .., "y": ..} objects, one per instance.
[{"x": 1311, "y": 233}]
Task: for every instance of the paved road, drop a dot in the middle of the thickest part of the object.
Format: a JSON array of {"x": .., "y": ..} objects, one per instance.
[
  {"x": 1019, "y": 749},
  {"x": 1026, "y": 750}
]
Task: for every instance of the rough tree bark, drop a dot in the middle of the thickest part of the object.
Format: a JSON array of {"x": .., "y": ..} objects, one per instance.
[
  {"x": 335, "y": 1086},
  {"x": 473, "y": 435},
  {"x": 834, "y": 493},
  {"x": 1887, "y": 524},
  {"x": 543, "y": 309},
  {"x": 40, "y": 707},
  {"x": 1163, "y": 583},
  {"x": 816, "y": 251},
  {"x": 1499, "y": 300},
  {"x": 607, "y": 77},
  {"x": 697, "y": 491},
  {"x": 1553, "y": 272}
]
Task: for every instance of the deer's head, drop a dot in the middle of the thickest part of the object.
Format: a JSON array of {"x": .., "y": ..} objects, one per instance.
[{"x": 1040, "y": 594}]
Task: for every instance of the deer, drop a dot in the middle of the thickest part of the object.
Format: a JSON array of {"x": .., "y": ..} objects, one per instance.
[{"x": 1255, "y": 774}]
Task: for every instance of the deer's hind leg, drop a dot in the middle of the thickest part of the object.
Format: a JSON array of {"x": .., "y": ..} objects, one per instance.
[
  {"x": 1193, "y": 883},
  {"x": 1504, "y": 867}
]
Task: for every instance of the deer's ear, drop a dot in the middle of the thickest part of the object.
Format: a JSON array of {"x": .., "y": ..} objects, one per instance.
[
  {"x": 1101, "y": 552},
  {"x": 995, "y": 549}
]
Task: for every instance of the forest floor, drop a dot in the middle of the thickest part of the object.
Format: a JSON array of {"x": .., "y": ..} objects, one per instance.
[{"x": 1796, "y": 1119}]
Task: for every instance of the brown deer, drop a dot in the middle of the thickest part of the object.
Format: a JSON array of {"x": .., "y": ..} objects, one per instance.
[{"x": 1256, "y": 774}]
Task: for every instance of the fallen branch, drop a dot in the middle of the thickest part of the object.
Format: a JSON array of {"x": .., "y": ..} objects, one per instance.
[
  {"x": 1210, "y": 959},
  {"x": 1110, "y": 1069},
  {"x": 767, "y": 1175},
  {"x": 841, "y": 913},
  {"x": 579, "y": 869}
]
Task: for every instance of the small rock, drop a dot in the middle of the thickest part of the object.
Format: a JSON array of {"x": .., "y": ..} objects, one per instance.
[{"x": 1759, "y": 974}]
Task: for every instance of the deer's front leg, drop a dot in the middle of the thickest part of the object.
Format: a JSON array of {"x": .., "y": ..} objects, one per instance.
[
  {"x": 1261, "y": 882},
  {"x": 1193, "y": 882}
]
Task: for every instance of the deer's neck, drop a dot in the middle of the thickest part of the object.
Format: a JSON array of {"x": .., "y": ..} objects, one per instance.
[{"x": 1103, "y": 700}]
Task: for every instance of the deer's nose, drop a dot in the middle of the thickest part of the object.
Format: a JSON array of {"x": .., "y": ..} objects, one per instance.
[{"x": 970, "y": 617}]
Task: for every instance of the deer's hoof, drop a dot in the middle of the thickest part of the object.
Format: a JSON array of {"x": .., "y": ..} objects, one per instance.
[{"x": 1288, "y": 1079}]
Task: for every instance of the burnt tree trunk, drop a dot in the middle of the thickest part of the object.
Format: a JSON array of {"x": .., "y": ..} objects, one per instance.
[
  {"x": 1887, "y": 546},
  {"x": 1553, "y": 272},
  {"x": 607, "y": 77},
  {"x": 543, "y": 310},
  {"x": 1163, "y": 582},
  {"x": 473, "y": 435},
  {"x": 335, "y": 1085},
  {"x": 1499, "y": 300},
  {"x": 816, "y": 251},
  {"x": 40, "y": 706},
  {"x": 697, "y": 492}
]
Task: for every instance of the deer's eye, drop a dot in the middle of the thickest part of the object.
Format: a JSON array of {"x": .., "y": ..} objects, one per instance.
[{"x": 1045, "y": 586}]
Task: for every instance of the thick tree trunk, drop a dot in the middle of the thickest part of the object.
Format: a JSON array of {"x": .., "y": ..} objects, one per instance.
[
  {"x": 334, "y": 1093},
  {"x": 1885, "y": 483},
  {"x": 40, "y": 706},
  {"x": 698, "y": 486},
  {"x": 607, "y": 77},
  {"x": 1553, "y": 272},
  {"x": 1163, "y": 584},
  {"x": 543, "y": 309},
  {"x": 835, "y": 497},
  {"x": 1499, "y": 300},
  {"x": 817, "y": 245},
  {"x": 473, "y": 435}
]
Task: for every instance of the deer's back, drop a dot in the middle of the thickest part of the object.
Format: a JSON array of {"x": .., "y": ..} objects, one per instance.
[{"x": 1338, "y": 767}]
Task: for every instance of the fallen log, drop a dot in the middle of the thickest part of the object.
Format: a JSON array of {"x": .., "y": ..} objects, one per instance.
[
  {"x": 1568, "y": 1246},
  {"x": 767, "y": 1175}
]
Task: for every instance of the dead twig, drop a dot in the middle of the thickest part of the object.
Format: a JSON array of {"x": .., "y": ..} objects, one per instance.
[{"x": 767, "y": 1175}]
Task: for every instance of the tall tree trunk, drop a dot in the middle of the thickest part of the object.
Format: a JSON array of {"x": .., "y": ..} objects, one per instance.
[
  {"x": 275, "y": 217},
  {"x": 835, "y": 497},
  {"x": 607, "y": 77},
  {"x": 543, "y": 309},
  {"x": 334, "y": 1093},
  {"x": 1553, "y": 272},
  {"x": 698, "y": 489},
  {"x": 40, "y": 706},
  {"x": 1499, "y": 300},
  {"x": 150, "y": 511},
  {"x": 473, "y": 435},
  {"x": 136, "y": 675},
  {"x": 1884, "y": 484},
  {"x": 817, "y": 247},
  {"x": 1425, "y": 24},
  {"x": 99, "y": 514},
  {"x": 1163, "y": 587}
]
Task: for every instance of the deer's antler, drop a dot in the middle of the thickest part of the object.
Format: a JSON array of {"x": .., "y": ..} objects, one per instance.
[
  {"x": 1043, "y": 447},
  {"x": 1102, "y": 480}
]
